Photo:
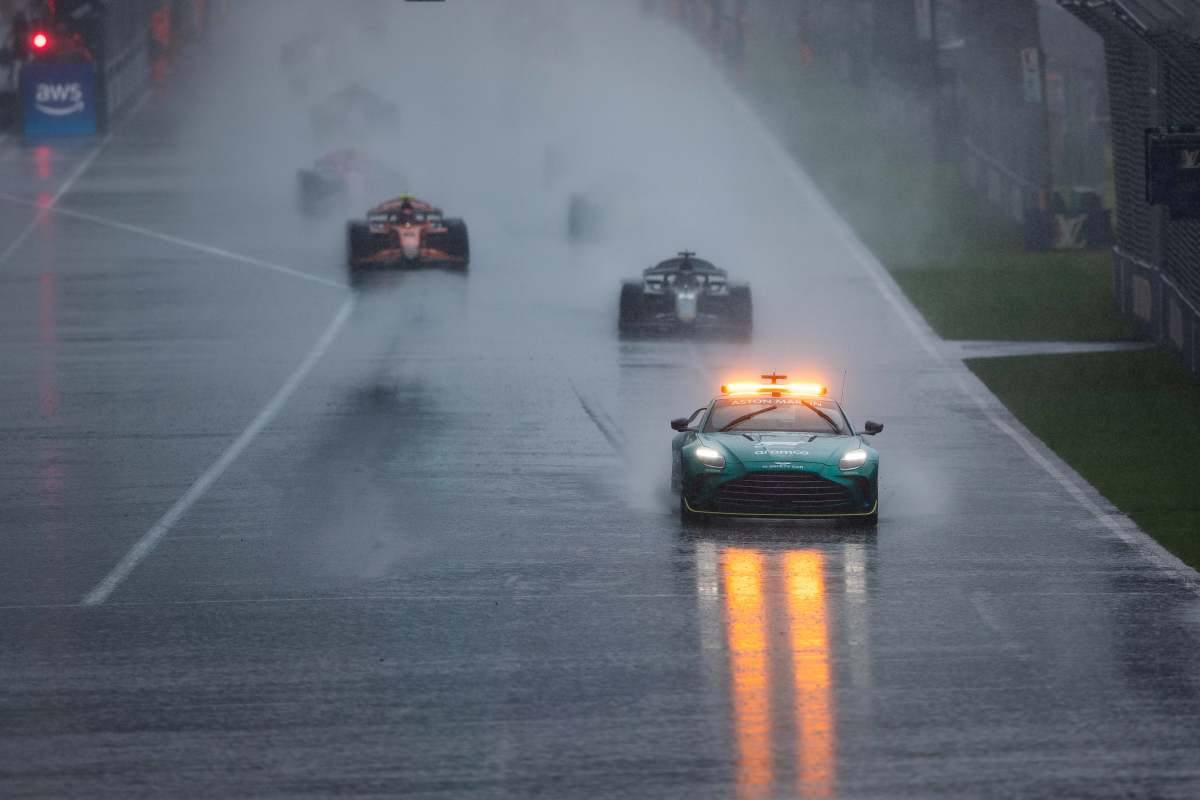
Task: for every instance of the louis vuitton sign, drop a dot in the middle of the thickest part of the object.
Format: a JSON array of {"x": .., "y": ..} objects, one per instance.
[{"x": 1173, "y": 170}]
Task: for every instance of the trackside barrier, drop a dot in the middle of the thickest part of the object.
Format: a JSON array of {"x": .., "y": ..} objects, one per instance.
[
  {"x": 126, "y": 76},
  {"x": 127, "y": 45},
  {"x": 1158, "y": 306}
]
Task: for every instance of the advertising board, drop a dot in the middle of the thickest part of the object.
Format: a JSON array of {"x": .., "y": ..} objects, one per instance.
[{"x": 59, "y": 99}]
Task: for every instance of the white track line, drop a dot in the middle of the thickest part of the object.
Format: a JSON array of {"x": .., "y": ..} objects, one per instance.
[
  {"x": 160, "y": 529},
  {"x": 67, "y": 184},
  {"x": 603, "y": 423},
  {"x": 987, "y": 402},
  {"x": 163, "y": 237},
  {"x": 46, "y": 209}
]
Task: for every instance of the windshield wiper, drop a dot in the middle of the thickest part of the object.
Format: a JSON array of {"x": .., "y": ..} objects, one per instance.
[
  {"x": 836, "y": 428},
  {"x": 742, "y": 419}
]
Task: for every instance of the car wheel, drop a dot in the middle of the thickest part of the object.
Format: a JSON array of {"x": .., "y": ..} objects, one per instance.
[
  {"x": 359, "y": 243},
  {"x": 314, "y": 192},
  {"x": 583, "y": 219},
  {"x": 741, "y": 312},
  {"x": 632, "y": 308},
  {"x": 457, "y": 242}
]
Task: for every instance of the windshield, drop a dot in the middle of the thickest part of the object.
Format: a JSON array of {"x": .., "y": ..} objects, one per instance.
[{"x": 790, "y": 414}]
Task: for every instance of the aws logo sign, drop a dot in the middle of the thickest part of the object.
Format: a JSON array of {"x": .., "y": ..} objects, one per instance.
[{"x": 59, "y": 99}]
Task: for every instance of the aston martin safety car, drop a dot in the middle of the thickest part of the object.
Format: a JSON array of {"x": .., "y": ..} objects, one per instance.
[
  {"x": 345, "y": 175},
  {"x": 782, "y": 450},
  {"x": 685, "y": 296},
  {"x": 406, "y": 233}
]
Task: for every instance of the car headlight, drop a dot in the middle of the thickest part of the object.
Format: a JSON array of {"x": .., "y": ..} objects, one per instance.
[
  {"x": 853, "y": 460},
  {"x": 709, "y": 457}
]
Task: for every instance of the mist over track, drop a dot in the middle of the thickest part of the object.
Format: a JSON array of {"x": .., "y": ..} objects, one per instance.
[{"x": 447, "y": 562}]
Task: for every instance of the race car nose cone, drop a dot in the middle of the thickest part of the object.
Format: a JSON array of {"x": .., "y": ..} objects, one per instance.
[{"x": 685, "y": 306}]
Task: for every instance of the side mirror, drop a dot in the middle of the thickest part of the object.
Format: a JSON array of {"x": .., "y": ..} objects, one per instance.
[
  {"x": 871, "y": 428},
  {"x": 680, "y": 424}
]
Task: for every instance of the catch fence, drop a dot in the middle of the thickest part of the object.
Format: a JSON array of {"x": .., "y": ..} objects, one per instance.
[{"x": 1152, "y": 55}]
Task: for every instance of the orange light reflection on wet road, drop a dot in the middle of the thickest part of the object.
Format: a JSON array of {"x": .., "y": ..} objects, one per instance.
[
  {"x": 41, "y": 160},
  {"x": 805, "y": 586},
  {"x": 749, "y": 667},
  {"x": 777, "y": 626}
]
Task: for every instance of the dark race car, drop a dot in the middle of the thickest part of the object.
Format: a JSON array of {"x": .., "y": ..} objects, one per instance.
[
  {"x": 406, "y": 233},
  {"x": 345, "y": 175},
  {"x": 685, "y": 296}
]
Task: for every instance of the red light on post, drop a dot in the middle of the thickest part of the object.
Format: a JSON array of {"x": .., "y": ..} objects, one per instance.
[{"x": 40, "y": 40}]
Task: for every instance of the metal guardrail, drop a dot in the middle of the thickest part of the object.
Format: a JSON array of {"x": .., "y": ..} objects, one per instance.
[{"x": 127, "y": 75}]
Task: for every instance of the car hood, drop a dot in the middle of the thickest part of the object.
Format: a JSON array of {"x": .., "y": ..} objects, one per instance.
[{"x": 772, "y": 447}]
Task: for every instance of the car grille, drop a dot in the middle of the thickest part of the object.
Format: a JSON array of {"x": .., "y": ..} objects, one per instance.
[{"x": 769, "y": 492}]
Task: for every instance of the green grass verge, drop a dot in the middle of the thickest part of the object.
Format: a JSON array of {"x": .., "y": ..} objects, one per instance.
[
  {"x": 1031, "y": 297},
  {"x": 1124, "y": 421},
  {"x": 966, "y": 270}
]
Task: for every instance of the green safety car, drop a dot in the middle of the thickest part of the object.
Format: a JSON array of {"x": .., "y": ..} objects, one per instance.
[{"x": 774, "y": 450}]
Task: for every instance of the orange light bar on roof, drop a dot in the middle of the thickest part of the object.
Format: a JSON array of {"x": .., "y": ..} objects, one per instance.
[
  {"x": 814, "y": 389},
  {"x": 740, "y": 388}
]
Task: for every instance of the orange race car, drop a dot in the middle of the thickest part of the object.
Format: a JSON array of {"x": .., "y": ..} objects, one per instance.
[{"x": 406, "y": 234}]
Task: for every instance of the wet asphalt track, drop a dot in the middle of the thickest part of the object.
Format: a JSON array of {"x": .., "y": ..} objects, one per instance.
[{"x": 449, "y": 566}]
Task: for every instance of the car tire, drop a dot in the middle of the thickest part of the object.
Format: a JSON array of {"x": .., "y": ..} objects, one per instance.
[
  {"x": 315, "y": 192},
  {"x": 741, "y": 312},
  {"x": 632, "y": 308},
  {"x": 457, "y": 243},
  {"x": 583, "y": 219},
  {"x": 359, "y": 242}
]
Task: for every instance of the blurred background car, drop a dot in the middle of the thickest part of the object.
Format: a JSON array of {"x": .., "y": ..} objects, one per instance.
[{"x": 685, "y": 296}]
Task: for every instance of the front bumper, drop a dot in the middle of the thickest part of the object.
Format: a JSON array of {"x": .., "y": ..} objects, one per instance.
[
  {"x": 396, "y": 259},
  {"x": 772, "y": 490},
  {"x": 672, "y": 325}
]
